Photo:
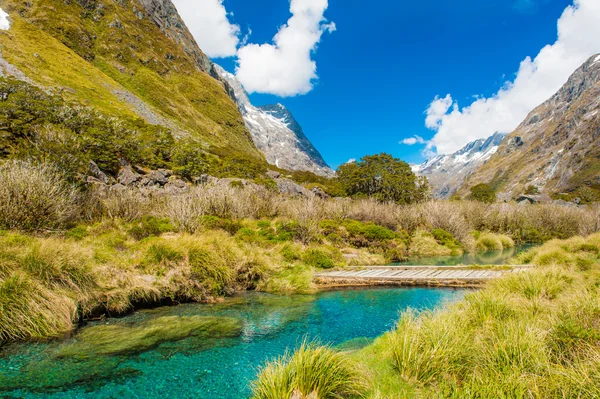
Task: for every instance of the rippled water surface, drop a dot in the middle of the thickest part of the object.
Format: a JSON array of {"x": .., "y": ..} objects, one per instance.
[{"x": 217, "y": 363}]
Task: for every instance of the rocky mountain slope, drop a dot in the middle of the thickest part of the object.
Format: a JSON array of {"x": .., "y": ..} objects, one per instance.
[
  {"x": 276, "y": 133},
  {"x": 446, "y": 173},
  {"x": 132, "y": 59},
  {"x": 556, "y": 148}
]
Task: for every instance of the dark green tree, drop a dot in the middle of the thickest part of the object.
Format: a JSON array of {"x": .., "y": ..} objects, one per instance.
[
  {"x": 383, "y": 177},
  {"x": 483, "y": 193}
]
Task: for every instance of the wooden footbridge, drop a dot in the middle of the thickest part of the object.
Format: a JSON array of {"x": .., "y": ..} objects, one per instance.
[{"x": 414, "y": 275}]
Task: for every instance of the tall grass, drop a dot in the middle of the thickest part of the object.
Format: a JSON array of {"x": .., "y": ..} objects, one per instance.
[
  {"x": 311, "y": 372},
  {"x": 35, "y": 197}
]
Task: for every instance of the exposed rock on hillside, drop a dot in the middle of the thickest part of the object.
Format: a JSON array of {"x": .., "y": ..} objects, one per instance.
[
  {"x": 556, "y": 148},
  {"x": 276, "y": 133},
  {"x": 447, "y": 172}
]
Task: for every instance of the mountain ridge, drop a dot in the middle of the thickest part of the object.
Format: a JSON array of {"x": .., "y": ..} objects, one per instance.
[
  {"x": 556, "y": 149},
  {"x": 446, "y": 173},
  {"x": 276, "y": 133}
]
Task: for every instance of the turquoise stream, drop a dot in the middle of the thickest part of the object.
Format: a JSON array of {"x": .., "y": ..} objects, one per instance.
[{"x": 216, "y": 368}]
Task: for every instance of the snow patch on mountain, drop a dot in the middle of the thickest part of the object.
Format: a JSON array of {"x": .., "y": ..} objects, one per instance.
[
  {"x": 4, "y": 22},
  {"x": 276, "y": 133}
]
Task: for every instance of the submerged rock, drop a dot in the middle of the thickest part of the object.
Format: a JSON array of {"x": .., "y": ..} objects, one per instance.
[{"x": 120, "y": 339}]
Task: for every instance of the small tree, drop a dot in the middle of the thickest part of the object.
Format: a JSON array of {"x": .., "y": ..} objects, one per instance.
[
  {"x": 383, "y": 177},
  {"x": 483, "y": 193}
]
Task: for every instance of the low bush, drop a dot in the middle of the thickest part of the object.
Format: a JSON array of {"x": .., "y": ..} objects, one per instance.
[{"x": 322, "y": 257}]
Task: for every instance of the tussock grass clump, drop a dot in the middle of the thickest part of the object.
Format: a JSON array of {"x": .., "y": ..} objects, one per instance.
[
  {"x": 30, "y": 310},
  {"x": 493, "y": 242},
  {"x": 424, "y": 244},
  {"x": 428, "y": 347},
  {"x": 312, "y": 371},
  {"x": 35, "y": 197}
]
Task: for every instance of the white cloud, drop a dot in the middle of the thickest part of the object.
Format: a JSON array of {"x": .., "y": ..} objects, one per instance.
[
  {"x": 209, "y": 23},
  {"x": 285, "y": 67},
  {"x": 536, "y": 81},
  {"x": 413, "y": 140},
  {"x": 4, "y": 22},
  {"x": 351, "y": 160}
]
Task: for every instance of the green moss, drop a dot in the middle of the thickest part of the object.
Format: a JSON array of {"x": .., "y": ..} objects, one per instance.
[
  {"x": 77, "y": 233},
  {"x": 118, "y": 339}
]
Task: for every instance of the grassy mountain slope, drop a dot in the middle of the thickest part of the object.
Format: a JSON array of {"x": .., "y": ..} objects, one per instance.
[
  {"x": 114, "y": 57},
  {"x": 556, "y": 148}
]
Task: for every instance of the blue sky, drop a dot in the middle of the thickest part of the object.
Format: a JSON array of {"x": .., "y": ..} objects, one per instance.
[{"x": 387, "y": 60}]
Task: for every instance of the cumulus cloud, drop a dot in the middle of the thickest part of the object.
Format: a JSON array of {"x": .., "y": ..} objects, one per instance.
[
  {"x": 351, "y": 160},
  {"x": 209, "y": 23},
  {"x": 285, "y": 67},
  {"x": 413, "y": 140},
  {"x": 537, "y": 79}
]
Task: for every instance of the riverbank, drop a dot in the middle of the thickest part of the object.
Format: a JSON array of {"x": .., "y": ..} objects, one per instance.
[
  {"x": 533, "y": 334},
  {"x": 53, "y": 283}
]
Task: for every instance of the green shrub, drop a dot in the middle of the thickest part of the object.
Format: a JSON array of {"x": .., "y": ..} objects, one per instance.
[
  {"x": 77, "y": 233},
  {"x": 321, "y": 258},
  {"x": 446, "y": 239},
  {"x": 483, "y": 193}
]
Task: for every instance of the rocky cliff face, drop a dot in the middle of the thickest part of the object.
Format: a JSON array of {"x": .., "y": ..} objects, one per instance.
[
  {"x": 556, "y": 148},
  {"x": 446, "y": 173},
  {"x": 164, "y": 14},
  {"x": 276, "y": 133}
]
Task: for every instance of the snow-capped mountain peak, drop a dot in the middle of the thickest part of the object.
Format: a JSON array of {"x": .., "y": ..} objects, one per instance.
[
  {"x": 276, "y": 133},
  {"x": 447, "y": 172}
]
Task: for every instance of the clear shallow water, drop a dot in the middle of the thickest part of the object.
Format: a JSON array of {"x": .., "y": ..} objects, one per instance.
[
  {"x": 476, "y": 258},
  {"x": 218, "y": 368}
]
